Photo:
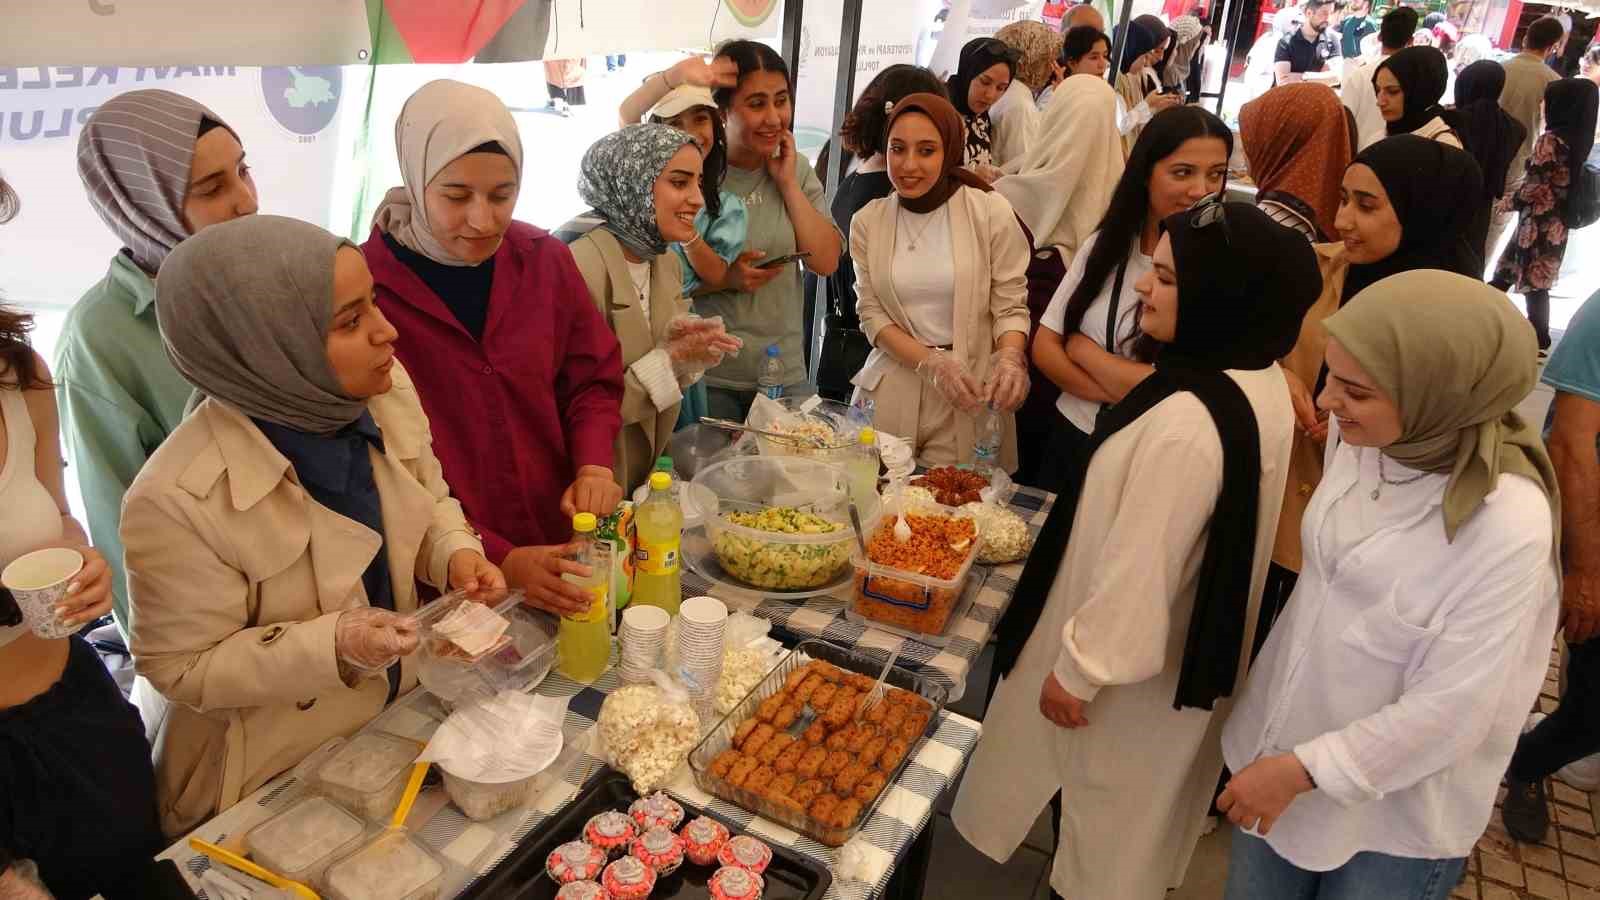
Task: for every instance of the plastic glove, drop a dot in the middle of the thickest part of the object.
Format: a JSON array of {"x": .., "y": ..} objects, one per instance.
[
  {"x": 695, "y": 344},
  {"x": 1008, "y": 380},
  {"x": 371, "y": 640},
  {"x": 949, "y": 377}
]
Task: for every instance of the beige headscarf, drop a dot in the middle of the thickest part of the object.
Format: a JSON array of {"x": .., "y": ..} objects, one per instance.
[
  {"x": 1071, "y": 168},
  {"x": 1039, "y": 45},
  {"x": 1457, "y": 358},
  {"x": 442, "y": 121}
]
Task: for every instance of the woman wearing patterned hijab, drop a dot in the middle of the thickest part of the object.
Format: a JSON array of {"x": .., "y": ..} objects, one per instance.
[
  {"x": 516, "y": 369},
  {"x": 643, "y": 183},
  {"x": 1298, "y": 144},
  {"x": 158, "y": 167}
]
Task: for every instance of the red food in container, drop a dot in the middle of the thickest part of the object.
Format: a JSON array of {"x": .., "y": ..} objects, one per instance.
[
  {"x": 734, "y": 883},
  {"x": 659, "y": 849},
  {"x": 629, "y": 879},
  {"x": 611, "y": 832},
  {"x": 702, "y": 838},
  {"x": 747, "y": 853}
]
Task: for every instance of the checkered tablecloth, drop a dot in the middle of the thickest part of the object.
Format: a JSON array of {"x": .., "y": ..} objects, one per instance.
[
  {"x": 824, "y": 617},
  {"x": 473, "y": 848}
]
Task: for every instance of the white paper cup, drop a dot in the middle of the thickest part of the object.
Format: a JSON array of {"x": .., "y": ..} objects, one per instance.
[
  {"x": 38, "y": 581},
  {"x": 702, "y": 611},
  {"x": 646, "y": 618}
]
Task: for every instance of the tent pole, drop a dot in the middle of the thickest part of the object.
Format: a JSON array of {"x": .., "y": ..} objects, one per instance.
[
  {"x": 793, "y": 16},
  {"x": 1120, "y": 39},
  {"x": 844, "y": 95}
]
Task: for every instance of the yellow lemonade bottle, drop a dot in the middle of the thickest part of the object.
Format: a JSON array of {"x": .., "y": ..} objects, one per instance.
[
  {"x": 584, "y": 641},
  {"x": 658, "y": 525},
  {"x": 862, "y": 464}
]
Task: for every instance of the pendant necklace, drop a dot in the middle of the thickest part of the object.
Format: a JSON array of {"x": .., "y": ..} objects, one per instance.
[
  {"x": 1384, "y": 479},
  {"x": 918, "y": 236}
]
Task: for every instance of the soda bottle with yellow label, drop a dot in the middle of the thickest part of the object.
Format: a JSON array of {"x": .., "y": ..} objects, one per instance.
[
  {"x": 584, "y": 640},
  {"x": 658, "y": 528}
]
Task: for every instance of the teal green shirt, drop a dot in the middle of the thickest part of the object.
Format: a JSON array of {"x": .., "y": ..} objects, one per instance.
[{"x": 119, "y": 397}]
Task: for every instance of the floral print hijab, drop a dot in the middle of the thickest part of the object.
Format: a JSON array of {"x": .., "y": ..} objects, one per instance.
[{"x": 618, "y": 176}]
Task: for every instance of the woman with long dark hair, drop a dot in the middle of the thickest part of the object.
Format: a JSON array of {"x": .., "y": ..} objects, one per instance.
[
  {"x": 77, "y": 792},
  {"x": 984, "y": 74},
  {"x": 1085, "y": 50},
  {"x": 1532, "y": 261},
  {"x": 864, "y": 135},
  {"x": 1087, "y": 341},
  {"x": 788, "y": 214}
]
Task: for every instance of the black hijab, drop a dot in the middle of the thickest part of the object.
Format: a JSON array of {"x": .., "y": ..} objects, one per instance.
[
  {"x": 1570, "y": 107},
  {"x": 1244, "y": 285},
  {"x": 1419, "y": 176},
  {"x": 1486, "y": 131},
  {"x": 977, "y": 57},
  {"x": 1423, "y": 74},
  {"x": 1140, "y": 40}
]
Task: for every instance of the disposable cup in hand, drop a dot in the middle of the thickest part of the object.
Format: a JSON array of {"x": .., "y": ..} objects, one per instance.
[{"x": 39, "y": 580}]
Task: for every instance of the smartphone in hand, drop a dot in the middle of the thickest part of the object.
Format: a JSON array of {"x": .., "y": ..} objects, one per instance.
[{"x": 782, "y": 260}]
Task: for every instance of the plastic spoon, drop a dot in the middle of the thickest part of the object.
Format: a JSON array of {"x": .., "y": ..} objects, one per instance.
[
  {"x": 413, "y": 787},
  {"x": 234, "y": 860},
  {"x": 902, "y": 531}
]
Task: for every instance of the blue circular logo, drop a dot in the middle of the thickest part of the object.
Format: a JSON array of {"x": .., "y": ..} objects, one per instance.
[{"x": 304, "y": 99}]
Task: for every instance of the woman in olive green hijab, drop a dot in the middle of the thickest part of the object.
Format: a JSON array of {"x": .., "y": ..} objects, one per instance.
[{"x": 1371, "y": 736}]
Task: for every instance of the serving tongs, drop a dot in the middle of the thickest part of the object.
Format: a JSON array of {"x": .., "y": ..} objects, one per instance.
[{"x": 805, "y": 442}]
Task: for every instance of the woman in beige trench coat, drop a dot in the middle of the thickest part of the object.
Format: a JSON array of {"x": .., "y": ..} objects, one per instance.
[{"x": 251, "y": 595}]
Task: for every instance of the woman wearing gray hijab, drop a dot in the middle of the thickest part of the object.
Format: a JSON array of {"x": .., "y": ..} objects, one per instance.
[
  {"x": 275, "y": 541},
  {"x": 643, "y": 183},
  {"x": 158, "y": 167}
]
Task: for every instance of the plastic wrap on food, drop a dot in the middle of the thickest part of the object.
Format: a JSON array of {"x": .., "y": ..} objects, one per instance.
[
  {"x": 301, "y": 841},
  {"x": 392, "y": 867},
  {"x": 368, "y": 774}
]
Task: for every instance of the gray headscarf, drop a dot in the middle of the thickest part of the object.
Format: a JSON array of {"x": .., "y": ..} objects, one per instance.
[
  {"x": 134, "y": 156},
  {"x": 618, "y": 176},
  {"x": 244, "y": 309},
  {"x": 439, "y": 124}
]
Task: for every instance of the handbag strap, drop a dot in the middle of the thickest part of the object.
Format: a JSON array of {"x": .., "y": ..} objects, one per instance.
[{"x": 1111, "y": 308}]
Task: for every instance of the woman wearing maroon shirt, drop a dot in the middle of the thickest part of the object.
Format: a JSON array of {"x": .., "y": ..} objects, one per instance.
[{"x": 518, "y": 372}]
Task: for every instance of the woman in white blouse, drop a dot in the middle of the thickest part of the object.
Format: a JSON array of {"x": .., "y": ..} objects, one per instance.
[
  {"x": 1371, "y": 736},
  {"x": 1086, "y": 340},
  {"x": 941, "y": 292}
]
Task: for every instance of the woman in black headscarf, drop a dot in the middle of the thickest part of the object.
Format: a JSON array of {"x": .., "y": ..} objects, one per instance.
[
  {"x": 1138, "y": 85},
  {"x": 1531, "y": 262},
  {"x": 986, "y": 69},
  {"x": 1486, "y": 131},
  {"x": 1137, "y": 604},
  {"x": 1409, "y": 85}
]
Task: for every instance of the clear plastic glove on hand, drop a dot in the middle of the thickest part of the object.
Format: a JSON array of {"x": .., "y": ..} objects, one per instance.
[
  {"x": 949, "y": 377},
  {"x": 695, "y": 344},
  {"x": 1008, "y": 381},
  {"x": 371, "y": 640}
]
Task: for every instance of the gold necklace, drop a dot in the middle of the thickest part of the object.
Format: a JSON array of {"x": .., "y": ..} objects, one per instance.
[
  {"x": 912, "y": 245},
  {"x": 1384, "y": 479}
]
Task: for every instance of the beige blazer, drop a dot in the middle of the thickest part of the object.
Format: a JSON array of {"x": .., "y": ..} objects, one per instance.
[
  {"x": 991, "y": 298},
  {"x": 1305, "y": 360},
  {"x": 237, "y": 578},
  {"x": 645, "y": 428}
]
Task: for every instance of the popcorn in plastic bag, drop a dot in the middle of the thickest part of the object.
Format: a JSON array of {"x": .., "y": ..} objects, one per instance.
[{"x": 647, "y": 731}]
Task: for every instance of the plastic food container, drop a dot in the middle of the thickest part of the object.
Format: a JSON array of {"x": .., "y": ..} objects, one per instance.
[
  {"x": 720, "y": 737},
  {"x": 524, "y": 661},
  {"x": 834, "y": 424},
  {"x": 909, "y": 603},
  {"x": 368, "y": 774},
  {"x": 301, "y": 841},
  {"x": 774, "y": 560},
  {"x": 393, "y": 867},
  {"x": 482, "y": 800}
]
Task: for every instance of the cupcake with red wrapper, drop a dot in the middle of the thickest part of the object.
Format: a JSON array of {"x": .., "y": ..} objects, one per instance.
[
  {"x": 583, "y": 890},
  {"x": 575, "y": 861},
  {"x": 702, "y": 838},
  {"x": 612, "y": 832},
  {"x": 628, "y": 879},
  {"x": 657, "y": 809},
  {"x": 659, "y": 849},
  {"x": 747, "y": 853},
  {"x": 734, "y": 883}
]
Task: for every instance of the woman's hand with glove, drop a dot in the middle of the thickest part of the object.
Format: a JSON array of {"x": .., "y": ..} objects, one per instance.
[
  {"x": 949, "y": 377},
  {"x": 695, "y": 344},
  {"x": 369, "y": 639},
  {"x": 1008, "y": 379}
]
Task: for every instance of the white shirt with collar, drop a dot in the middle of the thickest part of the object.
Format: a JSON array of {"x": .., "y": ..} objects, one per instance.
[{"x": 1404, "y": 668}]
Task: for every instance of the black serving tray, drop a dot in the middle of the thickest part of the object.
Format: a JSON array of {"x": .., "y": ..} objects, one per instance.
[{"x": 521, "y": 875}]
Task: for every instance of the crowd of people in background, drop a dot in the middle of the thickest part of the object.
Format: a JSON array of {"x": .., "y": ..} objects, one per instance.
[{"x": 1300, "y": 533}]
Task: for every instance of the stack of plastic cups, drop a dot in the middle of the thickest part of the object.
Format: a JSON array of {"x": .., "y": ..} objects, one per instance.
[
  {"x": 642, "y": 638},
  {"x": 702, "y": 622}
]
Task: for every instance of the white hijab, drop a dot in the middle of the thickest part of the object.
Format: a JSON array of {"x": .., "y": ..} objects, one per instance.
[
  {"x": 441, "y": 122},
  {"x": 1072, "y": 166}
]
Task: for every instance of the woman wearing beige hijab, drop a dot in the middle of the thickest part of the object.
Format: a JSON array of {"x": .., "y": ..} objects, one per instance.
[
  {"x": 1372, "y": 734},
  {"x": 517, "y": 369}
]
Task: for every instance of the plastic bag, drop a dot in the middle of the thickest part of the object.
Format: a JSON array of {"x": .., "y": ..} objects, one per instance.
[
  {"x": 751, "y": 654},
  {"x": 647, "y": 731},
  {"x": 504, "y": 738}
]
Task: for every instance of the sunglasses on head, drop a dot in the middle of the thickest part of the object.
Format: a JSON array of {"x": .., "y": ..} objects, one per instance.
[{"x": 1208, "y": 212}]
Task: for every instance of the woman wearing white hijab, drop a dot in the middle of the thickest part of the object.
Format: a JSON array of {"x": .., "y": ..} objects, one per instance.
[{"x": 516, "y": 368}]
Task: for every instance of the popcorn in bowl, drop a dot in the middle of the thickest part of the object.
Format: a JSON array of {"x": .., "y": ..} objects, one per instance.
[{"x": 1005, "y": 535}]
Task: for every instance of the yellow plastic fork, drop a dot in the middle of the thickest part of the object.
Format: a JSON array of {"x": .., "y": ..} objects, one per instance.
[{"x": 235, "y": 861}]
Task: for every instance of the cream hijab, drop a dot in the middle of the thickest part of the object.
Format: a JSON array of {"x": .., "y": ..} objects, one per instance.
[
  {"x": 1457, "y": 358},
  {"x": 441, "y": 122},
  {"x": 1071, "y": 168}
]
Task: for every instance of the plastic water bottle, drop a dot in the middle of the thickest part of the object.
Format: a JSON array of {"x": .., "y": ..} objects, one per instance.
[
  {"x": 658, "y": 522},
  {"x": 770, "y": 381},
  {"x": 862, "y": 465},
  {"x": 986, "y": 449}
]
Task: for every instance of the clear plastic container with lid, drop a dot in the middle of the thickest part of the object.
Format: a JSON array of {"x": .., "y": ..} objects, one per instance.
[
  {"x": 393, "y": 867},
  {"x": 523, "y": 662},
  {"x": 368, "y": 773},
  {"x": 301, "y": 841}
]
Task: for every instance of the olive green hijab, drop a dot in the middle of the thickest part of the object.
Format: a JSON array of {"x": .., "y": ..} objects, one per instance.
[{"x": 1457, "y": 358}]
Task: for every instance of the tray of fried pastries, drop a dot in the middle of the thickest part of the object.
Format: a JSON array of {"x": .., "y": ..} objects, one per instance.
[{"x": 798, "y": 750}]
